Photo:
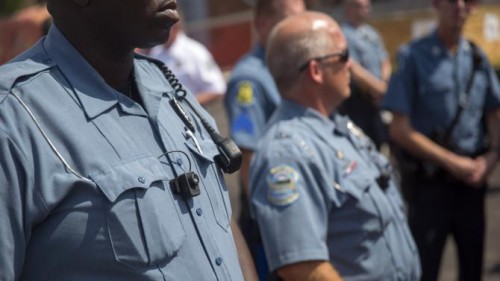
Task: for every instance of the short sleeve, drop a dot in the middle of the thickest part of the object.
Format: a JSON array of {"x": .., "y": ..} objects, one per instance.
[
  {"x": 289, "y": 205},
  {"x": 246, "y": 107},
  {"x": 493, "y": 93},
  {"x": 402, "y": 87},
  {"x": 381, "y": 50},
  {"x": 13, "y": 196}
]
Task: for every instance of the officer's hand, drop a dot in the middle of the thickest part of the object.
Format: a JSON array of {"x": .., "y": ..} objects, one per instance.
[
  {"x": 484, "y": 165},
  {"x": 376, "y": 98},
  {"x": 462, "y": 168}
]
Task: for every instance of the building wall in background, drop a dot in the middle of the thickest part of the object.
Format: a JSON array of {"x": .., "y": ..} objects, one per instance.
[
  {"x": 483, "y": 28},
  {"x": 20, "y": 31},
  {"x": 225, "y": 26}
]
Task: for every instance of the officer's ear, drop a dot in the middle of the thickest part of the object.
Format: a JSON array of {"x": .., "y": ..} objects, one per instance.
[
  {"x": 315, "y": 71},
  {"x": 82, "y": 3}
]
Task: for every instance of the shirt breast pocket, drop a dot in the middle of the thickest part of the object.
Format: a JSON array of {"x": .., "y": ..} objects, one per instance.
[
  {"x": 212, "y": 181},
  {"x": 477, "y": 96},
  {"x": 367, "y": 202},
  {"x": 143, "y": 224}
]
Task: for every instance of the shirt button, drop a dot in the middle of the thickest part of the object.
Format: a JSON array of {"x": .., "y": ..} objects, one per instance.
[
  {"x": 179, "y": 161},
  {"x": 199, "y": 211},
  {"x": 141, "y": 179},
  {"x": 218, "y": 261}
]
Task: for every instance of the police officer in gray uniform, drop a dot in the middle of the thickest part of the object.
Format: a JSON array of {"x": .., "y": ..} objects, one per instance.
[
  {"x": 445, "y": 99},
  {"x": 370, "y": 71},
  {"x": 106, "y": 170},
  {"x": 326, "y": 202},
  {"x": 250, "y": 100}
]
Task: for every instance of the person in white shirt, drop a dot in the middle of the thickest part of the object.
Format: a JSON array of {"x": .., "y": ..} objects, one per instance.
[{"x": 192, "y": 64}]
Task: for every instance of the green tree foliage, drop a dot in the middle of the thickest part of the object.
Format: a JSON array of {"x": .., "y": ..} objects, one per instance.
[{"x": 8, "y": 7}]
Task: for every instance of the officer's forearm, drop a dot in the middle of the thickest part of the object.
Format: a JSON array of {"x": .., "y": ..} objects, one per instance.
[
  {"x": 245, "y": 259},
  {"x": 309, "y": 271},
  {"x": 493, "y": 128},
  {"x": 386, "y": 70},
  {"x": 367, "y": 81},
  {"x": 244, "y": 172},
  {"x": 417, "y": 144}
]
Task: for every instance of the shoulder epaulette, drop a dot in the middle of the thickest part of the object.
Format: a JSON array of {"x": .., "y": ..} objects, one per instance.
[{"x": 28, "y": 64}]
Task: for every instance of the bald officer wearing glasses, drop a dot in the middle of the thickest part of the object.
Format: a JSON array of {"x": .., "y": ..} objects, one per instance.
[
  {"x": 445, "y": 98},
  {"x": 325, "y": 200}
]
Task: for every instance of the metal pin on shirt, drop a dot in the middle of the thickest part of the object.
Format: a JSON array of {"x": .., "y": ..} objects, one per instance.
[
  {"x": 338, "y": 187},
  {"x": 340, "y": 154},
  {"x": 193, "y": 137}
]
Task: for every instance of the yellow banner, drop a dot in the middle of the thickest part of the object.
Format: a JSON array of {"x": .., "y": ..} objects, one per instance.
[{"x": 482, "y": 27}]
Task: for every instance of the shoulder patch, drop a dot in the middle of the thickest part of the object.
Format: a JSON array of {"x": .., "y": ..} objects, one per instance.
[
  {"x": 282, "y": 189},
  {"x": 245, "y": 95},
  {"x": 243, "y": 124}
]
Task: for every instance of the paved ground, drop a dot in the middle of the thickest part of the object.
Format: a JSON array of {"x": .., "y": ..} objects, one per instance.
[{"x": 449, "y": 264}]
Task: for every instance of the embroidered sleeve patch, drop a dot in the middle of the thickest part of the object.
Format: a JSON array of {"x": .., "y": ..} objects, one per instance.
[
  {"x": 243, "y": 124},
  {"x": 245, "y": 94},
  {"x": 282, "y": 181}
]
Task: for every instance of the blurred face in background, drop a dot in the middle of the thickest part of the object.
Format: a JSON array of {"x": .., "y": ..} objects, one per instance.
[
  {"x": 452, "y": 14},
  {"x": 357, "y": 11}
]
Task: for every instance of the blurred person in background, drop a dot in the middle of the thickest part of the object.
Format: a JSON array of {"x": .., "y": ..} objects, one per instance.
[
  {"x": 250, "y": 100},
  {"x": 370, "y": 71},
  {"x": 193, "y": 65},
  {"x": 445, "y": 98},
  {"x": 325, "y": 199}
]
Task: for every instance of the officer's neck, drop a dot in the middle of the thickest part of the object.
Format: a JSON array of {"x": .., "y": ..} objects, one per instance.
[
  {"x": 116, "y": 71},
  {"x": 112, "y": 60},
  {"x": 449, "y": 38},
  {"x": 310, "y": 98},
  {"x": 356, "y": 23}
]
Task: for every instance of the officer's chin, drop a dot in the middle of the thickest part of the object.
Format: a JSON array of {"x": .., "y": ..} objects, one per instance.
[
  {"x": 348, "y": 93},
  {"x": 157, "y": 39}
]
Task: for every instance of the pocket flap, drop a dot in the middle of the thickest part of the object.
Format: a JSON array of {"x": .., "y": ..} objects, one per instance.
[
  {"x": 208, "y": 149},
  {"x": 136, "y": 173},
  {"x": 356, "y": 185}
]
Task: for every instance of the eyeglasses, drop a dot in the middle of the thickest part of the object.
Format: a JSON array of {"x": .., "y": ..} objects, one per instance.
[{"x": 343, "y": 58}]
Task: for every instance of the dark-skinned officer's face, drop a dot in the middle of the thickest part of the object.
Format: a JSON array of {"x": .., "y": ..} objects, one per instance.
[{"x": 136, "y": 23}]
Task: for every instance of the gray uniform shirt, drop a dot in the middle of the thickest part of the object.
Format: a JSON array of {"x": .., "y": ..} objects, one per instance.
[
  {"x": 120, "y": 220},
  {"x": 315, "y": 196}
]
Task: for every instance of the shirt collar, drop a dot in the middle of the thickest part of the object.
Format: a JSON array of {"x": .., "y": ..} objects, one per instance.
[
  {"x": 90, "y": 88},
  {"x": 260, "y": 52},
  {"x": 341, "y": 124},
  {"x": 438, "y": 47},
  {"x": 94, "y": 94},
  {"x": 322, "y": 125}
]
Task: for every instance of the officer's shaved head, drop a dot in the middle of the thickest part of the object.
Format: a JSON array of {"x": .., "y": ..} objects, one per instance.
[{"x": 297, "y": 39}]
